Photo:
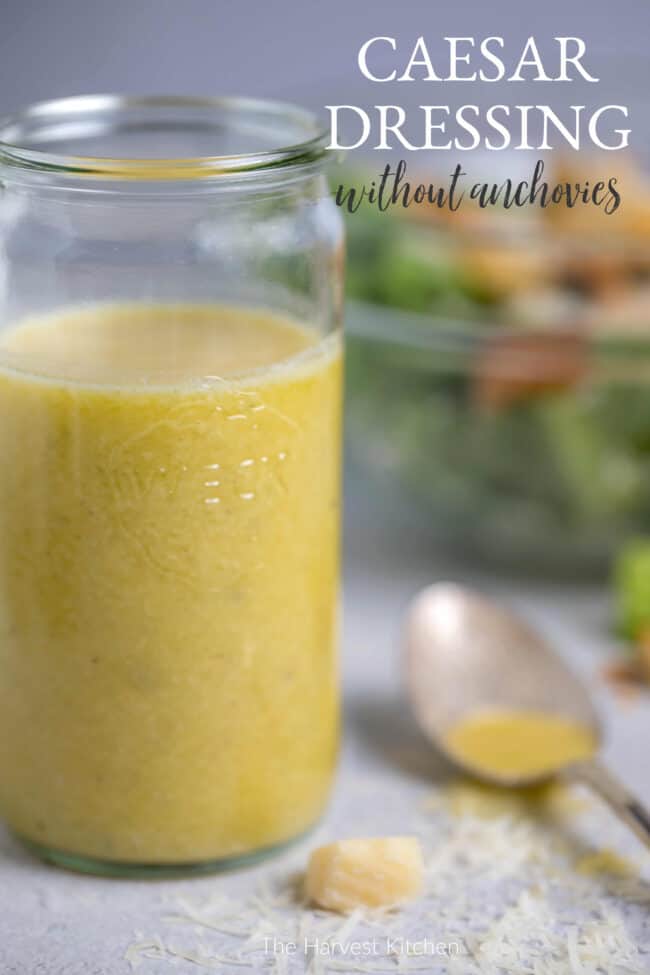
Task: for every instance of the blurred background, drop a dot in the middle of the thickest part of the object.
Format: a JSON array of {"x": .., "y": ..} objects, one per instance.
[
  {"x": 302, "y": 49},
  {"x": 499, "y": 363}
]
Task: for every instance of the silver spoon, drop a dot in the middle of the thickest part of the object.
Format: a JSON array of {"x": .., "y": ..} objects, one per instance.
[{"x": 464, "y": 654}]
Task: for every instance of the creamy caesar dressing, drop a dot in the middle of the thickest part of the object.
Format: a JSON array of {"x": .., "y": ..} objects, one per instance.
[
  {"x": 168, "y": 562},
  {"x": 519, "y": 744}
]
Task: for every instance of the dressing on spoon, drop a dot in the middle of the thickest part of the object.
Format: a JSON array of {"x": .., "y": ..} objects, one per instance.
[
  {"x": 514, "y": 743},
  {"x": 491, "y": 695}
]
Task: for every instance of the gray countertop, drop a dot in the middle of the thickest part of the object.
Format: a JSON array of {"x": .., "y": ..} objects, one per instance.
[{"x": 502, "y": 893}]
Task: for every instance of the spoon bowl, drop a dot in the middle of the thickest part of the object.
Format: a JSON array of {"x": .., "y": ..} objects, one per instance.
[{"x": 466, "y": 656}]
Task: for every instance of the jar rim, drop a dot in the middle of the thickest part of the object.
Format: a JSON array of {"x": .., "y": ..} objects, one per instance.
[{"x": 25, "y": 137}]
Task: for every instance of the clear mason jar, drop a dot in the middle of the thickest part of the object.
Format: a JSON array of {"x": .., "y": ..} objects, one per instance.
[{"x": 170, "y": 371}]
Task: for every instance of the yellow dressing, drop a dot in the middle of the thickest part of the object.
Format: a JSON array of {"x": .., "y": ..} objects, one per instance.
[
  {"x": 169, "y": 500},
  {"x": 513, "y": 744},
  {"x": 603, "y": 862}
]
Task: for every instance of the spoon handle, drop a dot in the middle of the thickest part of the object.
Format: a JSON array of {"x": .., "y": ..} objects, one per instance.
[{"x": 626, "y": 806}]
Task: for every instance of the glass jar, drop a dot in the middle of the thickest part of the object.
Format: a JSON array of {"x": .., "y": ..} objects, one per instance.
[{"x": 170, "y": 371}]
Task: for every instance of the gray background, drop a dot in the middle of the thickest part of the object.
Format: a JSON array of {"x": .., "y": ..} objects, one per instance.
[{"x": 304, "y": 50}]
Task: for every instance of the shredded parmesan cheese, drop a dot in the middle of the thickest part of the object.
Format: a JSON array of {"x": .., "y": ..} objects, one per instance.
[{"x": 513, "y": 893}]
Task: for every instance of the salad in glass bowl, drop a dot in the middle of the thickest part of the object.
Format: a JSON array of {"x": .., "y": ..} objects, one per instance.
[{"x": 499, "y": 367}]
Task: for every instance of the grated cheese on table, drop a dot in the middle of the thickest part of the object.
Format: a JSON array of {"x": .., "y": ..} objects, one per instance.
[{"x": 504, "y": 894}]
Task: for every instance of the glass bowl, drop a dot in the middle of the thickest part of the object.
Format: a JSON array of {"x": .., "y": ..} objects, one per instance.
[
  {"x": 499, "y": 367},
  {"x": 528, "y": 449}
]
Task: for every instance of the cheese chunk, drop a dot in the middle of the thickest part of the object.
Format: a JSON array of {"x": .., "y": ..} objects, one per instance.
[{"x": 375, "y": 872}]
